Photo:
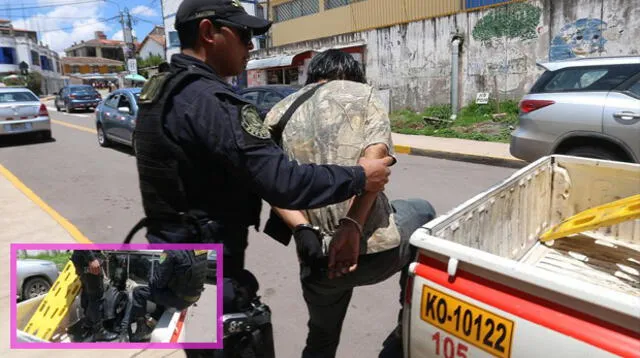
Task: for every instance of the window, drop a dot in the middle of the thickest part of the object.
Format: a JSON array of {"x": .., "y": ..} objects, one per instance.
[
  {"x": 293, "y": 9},
  {"x": 174, "y": 40},
  {"x": 18, "y": 97},
  {"x": 35, "y": 58},
  {"x": 124, "y": 102},
  {"x": 635, "y": 88},
  {"x": 95, "y": 69},
  {"x": 270, "y": 99},
  {"x": 251, "y": 96},
  {"x": 75, "y": 69},
  {"x": 8, "y": 56},
  {"x": 111, "y": 100},
  {"x": 332, "y": 4},
  {"x": 585, "y": 78},
  {"x": 91, "y": 52}
]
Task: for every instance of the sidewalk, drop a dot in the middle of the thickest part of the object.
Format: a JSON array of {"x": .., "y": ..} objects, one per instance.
[
  {"x": 26, "y": 209},
  {"x": 456, "y": 149}
]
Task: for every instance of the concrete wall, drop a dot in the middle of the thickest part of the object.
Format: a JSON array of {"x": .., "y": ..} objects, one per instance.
[
  {"x": 152, "y": 48},
  {"x": 500, "y": 48}
]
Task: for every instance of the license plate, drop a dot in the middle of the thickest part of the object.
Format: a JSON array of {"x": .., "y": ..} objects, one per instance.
[
  {"x": 477, "y": 326},
  {"x": 17, "y": 127}
]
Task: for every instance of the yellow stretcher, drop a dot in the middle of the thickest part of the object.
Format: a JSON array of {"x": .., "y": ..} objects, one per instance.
[
  {"x": 603, "y": 215},
  {"x": 55, "y": 306}
]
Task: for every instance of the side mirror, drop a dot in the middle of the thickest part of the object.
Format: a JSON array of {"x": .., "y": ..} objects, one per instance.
[{"x": 124, "y": 110}]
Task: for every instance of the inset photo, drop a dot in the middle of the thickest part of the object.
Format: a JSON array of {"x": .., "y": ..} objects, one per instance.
[{"x": 116, "y": 296}]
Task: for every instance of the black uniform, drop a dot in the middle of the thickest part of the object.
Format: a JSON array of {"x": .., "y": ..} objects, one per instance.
[
  {"x": 91, "y": 297},
  {"x": 205, "y": 165},
  {"x": 177, "y": 282}
]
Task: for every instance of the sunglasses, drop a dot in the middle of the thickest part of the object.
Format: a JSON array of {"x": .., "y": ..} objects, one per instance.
[{"x": 245, "y": 33}]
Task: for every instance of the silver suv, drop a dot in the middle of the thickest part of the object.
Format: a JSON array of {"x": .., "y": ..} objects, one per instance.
[{"x": 584, "y": 107}]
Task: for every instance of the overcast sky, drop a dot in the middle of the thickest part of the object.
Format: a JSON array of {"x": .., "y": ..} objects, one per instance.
[{"x": 60, "y": 23}]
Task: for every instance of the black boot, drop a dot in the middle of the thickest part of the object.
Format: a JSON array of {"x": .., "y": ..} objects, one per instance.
[
  {"x": 143, "y": 330},
  {"x": 100, "y": 334}
]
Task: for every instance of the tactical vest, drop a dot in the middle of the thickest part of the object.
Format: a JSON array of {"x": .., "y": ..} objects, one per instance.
[
  {"x": 190, "y": 274},
  {"x": 160, "y": 162}
]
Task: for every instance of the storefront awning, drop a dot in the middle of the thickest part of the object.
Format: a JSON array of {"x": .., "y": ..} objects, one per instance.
[{"x": 278, "y": 61}]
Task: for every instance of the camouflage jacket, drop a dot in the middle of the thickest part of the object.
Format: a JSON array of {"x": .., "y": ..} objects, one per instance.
[{"x": 335, "y": 126}]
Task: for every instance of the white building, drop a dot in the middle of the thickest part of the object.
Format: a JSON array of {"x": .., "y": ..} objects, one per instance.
[
  {"x": 17, "y": 46},
  {"x": 170, "y": 7},
  {"x": 153, "y": 44}
]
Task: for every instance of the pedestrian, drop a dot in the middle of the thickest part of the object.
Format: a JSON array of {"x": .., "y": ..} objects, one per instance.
[
  {"x": 336, "y": 119},
  {"x": 177, "y": 282},
  {"x": 206, "y": 161},
  {"x": 88, "y": 267}
]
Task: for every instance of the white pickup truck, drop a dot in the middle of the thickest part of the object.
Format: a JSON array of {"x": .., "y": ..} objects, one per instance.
[
  {"x": 483, "y": 284},
  {"x": 170, "y": 328}
]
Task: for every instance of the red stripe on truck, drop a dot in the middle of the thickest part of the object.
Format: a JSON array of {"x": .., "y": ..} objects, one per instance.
[
  {"x": 178, "y": 329},
  {"x": 578, "y": 325}
]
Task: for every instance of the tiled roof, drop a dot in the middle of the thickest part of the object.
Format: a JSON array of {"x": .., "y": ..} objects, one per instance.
[
  {"x": 158, "y": 38},
  {"x": 89, "y": 61}
]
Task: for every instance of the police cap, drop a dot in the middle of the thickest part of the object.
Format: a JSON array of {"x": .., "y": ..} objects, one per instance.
[{"x": 226, "y": 10}]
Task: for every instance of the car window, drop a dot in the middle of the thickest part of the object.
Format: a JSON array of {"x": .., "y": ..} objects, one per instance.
[
  {"x": 17, "y": 97},
  {"x": 251, "y": 96},
  {"x": 270, "y": 99},
  {"x": 124, "y": 101},
  {"x": 635, "y": 88},
  {"x": 112, "y": 100},
  {"x": 83, "y": 90},
  {"x": 585, "y": 79}
]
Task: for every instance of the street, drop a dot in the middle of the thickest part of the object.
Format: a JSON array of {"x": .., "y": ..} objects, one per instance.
[{"x": 96, "y": 189}]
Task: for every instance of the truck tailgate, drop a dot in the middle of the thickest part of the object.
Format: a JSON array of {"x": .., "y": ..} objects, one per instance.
[{"x": 482, "y": 285}]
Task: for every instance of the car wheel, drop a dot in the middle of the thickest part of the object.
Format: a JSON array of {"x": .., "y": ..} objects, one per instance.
[
  {"x": 594, "y": 152},
  {"x": 102, "y": 137},
  {"x": 45, "y": 136},
  {"x": 35, "y": 287},
  {"x": 57, "y": 107}
]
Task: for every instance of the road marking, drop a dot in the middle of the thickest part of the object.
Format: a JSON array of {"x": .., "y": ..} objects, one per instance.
[
  {"x": 82, "y": 128},
  {"x": 71, "y": 229}
]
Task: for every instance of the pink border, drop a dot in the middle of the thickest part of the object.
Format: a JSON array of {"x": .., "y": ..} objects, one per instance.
[{"x": 113, "y": 345}]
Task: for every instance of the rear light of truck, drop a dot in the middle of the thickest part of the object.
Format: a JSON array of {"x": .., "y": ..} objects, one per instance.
[
  {"x": 43, "y": 111},
  {"x": 530, "y": 105}
]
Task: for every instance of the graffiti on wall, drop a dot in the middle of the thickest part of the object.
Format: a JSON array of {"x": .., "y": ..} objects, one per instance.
[
  {"x": 580, "y": 38},
  {"x": 515, "y": 21}
]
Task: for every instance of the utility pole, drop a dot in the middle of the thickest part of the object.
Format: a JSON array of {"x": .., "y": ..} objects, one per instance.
[{"x": 130, "y": 54}]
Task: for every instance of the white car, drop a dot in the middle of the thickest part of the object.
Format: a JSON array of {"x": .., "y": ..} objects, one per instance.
[{"x": 21, "y": 111}]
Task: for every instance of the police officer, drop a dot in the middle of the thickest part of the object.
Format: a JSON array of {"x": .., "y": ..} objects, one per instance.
[
  {"x": 88, "y": 268},
  {"x": 177, "y": 282},
  {"x": 205, "y": 159}
]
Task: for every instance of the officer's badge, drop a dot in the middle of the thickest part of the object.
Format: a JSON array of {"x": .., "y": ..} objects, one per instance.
[
  {"x": 163, "y": 257},
  {"x": 252, "y": 124}
]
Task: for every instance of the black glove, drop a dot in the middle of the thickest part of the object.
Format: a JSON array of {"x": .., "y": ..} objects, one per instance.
[{"x": 308, "y": 244}]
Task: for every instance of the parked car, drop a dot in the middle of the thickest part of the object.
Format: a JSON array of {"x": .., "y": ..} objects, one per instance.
[
  {"x": 34, "y": 277},
  {"x": 583, "y": 107},
  {"x": 74, "y": 97},
  {"x": 116, "y": 117},
  {"x": 265, "y": 97},
  {"x": 21, "y": 112}
]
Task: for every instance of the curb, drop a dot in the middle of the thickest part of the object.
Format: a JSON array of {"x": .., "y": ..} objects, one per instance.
[{"x": 462, "y": 157}]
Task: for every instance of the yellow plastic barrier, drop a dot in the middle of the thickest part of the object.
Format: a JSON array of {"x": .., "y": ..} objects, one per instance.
[
  {"x": 604, "y": 215},
  {"x": 55, "y": 306}
]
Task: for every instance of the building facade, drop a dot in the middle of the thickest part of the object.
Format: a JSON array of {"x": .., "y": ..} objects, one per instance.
[
  {"x": 153, "y": 44},
  {"x": 419, "y": 53},
  {"x": 18, "y": 46}
]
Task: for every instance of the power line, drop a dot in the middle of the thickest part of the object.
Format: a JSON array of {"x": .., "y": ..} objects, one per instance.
[
  {"x": 22, "y": 8},
  {"x": 100, "y": 21}
]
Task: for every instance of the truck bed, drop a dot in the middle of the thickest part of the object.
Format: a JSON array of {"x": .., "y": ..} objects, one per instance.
[{"x": 598, "y": 261}]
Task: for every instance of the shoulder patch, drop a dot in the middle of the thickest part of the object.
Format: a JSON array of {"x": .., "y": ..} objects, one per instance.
[
  {"x": 163, "y": 257},
  {"x": 252, "y": 124}
]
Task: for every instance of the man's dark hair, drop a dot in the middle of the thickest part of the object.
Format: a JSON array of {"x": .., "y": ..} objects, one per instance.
[
  {"x": 335, "y": 65},
  {"x": 188, "y": 34}
]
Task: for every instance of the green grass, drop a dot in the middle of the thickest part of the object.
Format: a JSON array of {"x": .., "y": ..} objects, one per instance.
[
  {"x": 470, "y": 122},
  {"x": 59, "y": 259}
]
